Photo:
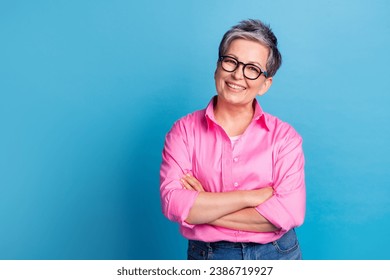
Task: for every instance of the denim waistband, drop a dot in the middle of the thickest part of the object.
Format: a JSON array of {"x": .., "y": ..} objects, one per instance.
[
  {"x": 286, "y": 247},
  {"x": 225, "y": 244}
]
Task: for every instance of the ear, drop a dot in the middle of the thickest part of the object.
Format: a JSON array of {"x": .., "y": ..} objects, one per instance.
[{"x": 265, "y": 86}]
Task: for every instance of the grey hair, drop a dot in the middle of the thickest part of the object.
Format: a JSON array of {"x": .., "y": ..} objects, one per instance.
[{"x": 255, "y": 30}]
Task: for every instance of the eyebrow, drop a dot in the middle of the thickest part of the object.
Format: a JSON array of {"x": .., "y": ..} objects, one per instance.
[{"x": 250, "y": 62}]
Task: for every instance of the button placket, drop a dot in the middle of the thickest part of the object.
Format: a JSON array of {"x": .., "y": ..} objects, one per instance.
[
  {"x": 235, "y": 160},
  {"x": 227, "y": 179}
]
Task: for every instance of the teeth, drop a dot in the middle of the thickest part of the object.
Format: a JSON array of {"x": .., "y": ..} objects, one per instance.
[{"x": 235, "y": 86}]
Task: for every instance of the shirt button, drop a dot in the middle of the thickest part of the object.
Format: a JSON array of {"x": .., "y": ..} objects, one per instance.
[
  {"x": 235, "y": 159},
  {"x": 235, "y": 184}
]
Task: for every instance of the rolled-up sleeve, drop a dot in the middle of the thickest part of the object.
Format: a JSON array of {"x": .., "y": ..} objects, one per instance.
[
  {"x": 286, "y": 208},
  {"x": 176, "y": 202}
]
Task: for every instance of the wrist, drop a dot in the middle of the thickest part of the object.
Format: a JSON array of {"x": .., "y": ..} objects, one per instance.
[
  {"x": 256, "y": 197},
  {"x": 251, "y": 198}
]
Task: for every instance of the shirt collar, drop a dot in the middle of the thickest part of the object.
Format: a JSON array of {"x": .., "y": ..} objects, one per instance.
[{"x": 258, "y": 116}]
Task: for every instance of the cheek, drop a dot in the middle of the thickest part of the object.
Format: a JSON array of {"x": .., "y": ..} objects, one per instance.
[
  {"x": 217, "y": 75},
  {"x": 218, "y": 86},
  {"x": 219, "y": 81},
  {"x": 259, "y": 88}
]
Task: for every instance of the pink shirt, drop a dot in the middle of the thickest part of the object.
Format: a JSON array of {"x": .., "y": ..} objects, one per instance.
[{"x": 268, "y": 153}]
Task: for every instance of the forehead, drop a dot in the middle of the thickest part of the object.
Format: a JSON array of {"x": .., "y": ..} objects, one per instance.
[{"x": 248, "y": 51}]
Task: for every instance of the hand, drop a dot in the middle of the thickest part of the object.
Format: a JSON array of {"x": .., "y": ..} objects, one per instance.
[
  {"x": 268, "y": 192},
  {"x": 258, "y": 196},
  {"x": 189, "y": 182}
]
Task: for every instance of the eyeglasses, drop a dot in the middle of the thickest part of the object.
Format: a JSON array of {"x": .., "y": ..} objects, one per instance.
[{"x": 250, "y": 71}]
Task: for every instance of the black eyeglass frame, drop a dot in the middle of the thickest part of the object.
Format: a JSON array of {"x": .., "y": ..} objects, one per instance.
[{"x": 221, "y": 58}]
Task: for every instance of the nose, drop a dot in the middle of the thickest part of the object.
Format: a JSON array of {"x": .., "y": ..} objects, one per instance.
[{"x": 238, "y": 74}]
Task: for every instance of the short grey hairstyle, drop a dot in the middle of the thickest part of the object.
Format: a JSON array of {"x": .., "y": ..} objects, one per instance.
[{"x": 255, "y": 30}]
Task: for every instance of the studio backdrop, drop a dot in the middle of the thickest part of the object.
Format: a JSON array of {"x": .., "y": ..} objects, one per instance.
[{"x": 89, "y": 88}]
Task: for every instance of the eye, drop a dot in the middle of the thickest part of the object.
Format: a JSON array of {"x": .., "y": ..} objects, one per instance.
[
  {"x": 253, "y": 69},
  {"x": 230, "y": 61}
]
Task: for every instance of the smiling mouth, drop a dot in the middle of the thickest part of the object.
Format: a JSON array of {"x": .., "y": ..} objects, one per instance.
[{"x": 235, "y": 86}]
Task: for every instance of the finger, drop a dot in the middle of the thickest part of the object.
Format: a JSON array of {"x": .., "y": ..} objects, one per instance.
[
  {"x": 195, "y": 184},
  {"x": 186, "y": 185},
  {"x": 191, "y": 179}
]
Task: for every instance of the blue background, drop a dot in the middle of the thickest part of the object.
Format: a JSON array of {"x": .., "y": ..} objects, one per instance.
[{"x": 88, "y": 90}]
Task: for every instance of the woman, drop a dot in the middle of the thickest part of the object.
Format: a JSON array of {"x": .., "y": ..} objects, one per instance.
[{"x": 232, "y": 175}]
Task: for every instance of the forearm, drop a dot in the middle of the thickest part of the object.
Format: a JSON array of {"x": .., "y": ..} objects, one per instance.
[
  {"x": 247, "y": 219},
  {"x": 210, "y": 207}
]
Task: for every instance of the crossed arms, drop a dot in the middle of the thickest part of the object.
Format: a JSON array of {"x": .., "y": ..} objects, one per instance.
[
  {"x": 264, "y": 209},
  {"x": 233, "y": 210}
]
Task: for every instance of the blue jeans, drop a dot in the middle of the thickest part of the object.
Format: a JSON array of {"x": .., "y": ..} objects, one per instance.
[{"x": 285, "y": 248}]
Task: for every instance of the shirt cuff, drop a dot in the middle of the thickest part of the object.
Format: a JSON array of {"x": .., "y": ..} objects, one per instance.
[
  {"x": 275, "y": 213},
  {"x": 179, "y": 205}
]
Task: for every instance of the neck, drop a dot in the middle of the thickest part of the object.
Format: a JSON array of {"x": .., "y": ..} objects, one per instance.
[
  {"x": 230, "y": 112},
  {"x": 233, "y": 119}
]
